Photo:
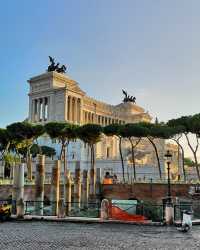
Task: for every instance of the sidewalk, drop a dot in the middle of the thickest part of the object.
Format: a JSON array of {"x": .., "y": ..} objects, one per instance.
[
  {"x": 194, "y": 222},
  {"x": 83, "y": 220},
  {"x": 92, "y": 220}
]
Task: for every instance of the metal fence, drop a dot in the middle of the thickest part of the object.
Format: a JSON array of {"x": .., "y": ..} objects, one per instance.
[
  {"x": 193, "y": 206},
  {"x": 75, "y": 209},
  {"x": 91, "y": 209},
  {"x": 153, "y": 212},
  {"x": 45, "y": 207}
]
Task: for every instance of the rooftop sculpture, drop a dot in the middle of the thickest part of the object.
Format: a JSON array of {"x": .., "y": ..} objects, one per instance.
[
  {"x": 128, "y": 98},
  {"x": 55, "y": 66}
]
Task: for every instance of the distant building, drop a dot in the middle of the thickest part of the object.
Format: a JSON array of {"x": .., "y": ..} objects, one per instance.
[{"x": 56, "y": 97}]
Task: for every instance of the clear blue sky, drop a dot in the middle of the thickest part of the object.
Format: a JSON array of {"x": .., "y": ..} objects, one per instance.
[{"x": 151, "y": 48}]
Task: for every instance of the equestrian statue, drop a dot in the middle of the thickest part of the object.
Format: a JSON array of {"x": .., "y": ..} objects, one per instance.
[
  {"x": 128, "y": 98},
  {"x": 55, "y": 66}
]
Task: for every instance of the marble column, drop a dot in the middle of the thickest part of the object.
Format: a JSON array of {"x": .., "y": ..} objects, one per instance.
[
  {"x": 78, "y": 111},
  {"x": 83, "y": 118},
  {"x": 75, "y": 110},
  {"x": 18, "y": 190},
  {"x": 39, "y": 109},
  {"x": 77, "y": 186},
  {"x": 93, "y": 118},
  {"x": 55, "y": 185},
  {"x": 29, "y": 167},
  {"x": 98, "y": 183},
  {"x": 43, "y": 108},
  {"x": 81, "y": 112},
  {"x": 68, "y": 192},
  {"x": 32, "y": 116},
  {"x": 66, "y": 108},
  {"x": 86, "y": 117},
  {"x": 51, "y": 107},
  {"x": 70, "y": 109},
  {"x": 37, "y": 115},
  {"x": 14, "y": 190},
  {"x": 92, "y": 189},
  {"x": 48, "y": 106},
  {"x": 39, "y": 184},
  {"x": 85, "y": 189},
  {"x": 102, "y": 121},
  {"x": 31, "y": 109}
]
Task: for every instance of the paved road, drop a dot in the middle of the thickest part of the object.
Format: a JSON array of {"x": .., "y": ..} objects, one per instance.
[{"x": 52, "y": 235}]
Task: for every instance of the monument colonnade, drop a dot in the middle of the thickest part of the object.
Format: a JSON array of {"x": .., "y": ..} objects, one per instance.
[
  {"x": 75, "y": 112},
  {"x": 40, "y": 108}
]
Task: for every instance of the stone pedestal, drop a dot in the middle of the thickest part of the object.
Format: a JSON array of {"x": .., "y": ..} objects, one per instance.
[
  {"x": 39, "y": 184},
  {"x": 169, "y": 214},
  {"x": 105, "y": 209},
  {"x": 55, "y": 184},
  {"x": 20, "y": 208},
  {"x": 61, "y": 208}
]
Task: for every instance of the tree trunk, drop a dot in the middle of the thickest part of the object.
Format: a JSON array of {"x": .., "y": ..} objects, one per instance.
[
  {"x": 29, "y": 167},
  {"x": 92, "y": 176},
  {"x": 63, "y": 157},
  {"x": 92, "y": 165},
  {"x": 196, "y": 165},
  {"x": 64, "y": 160},
  {"x": 121, "y": 156},
  {"x": 183, "y": 157},
  {"x": 128, "y": 174},
  {"x": 133, "y": 159},
  {"x": 3, "y": 155},
  {"x": 29, "y": 164},
  {"x": 194, "y": 154},
  {"x": 157, "y": 156},
  {"x": 61, "y": 152}
]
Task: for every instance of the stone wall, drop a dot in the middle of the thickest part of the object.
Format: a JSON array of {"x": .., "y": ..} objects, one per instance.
[
  {"x": 29, "y": 192},
  {"x": 141, "y": 191},
  {"x": 145, "y": 191}
]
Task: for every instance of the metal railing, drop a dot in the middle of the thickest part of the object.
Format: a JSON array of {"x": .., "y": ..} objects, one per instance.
[
  {"x": 154, "y": 212},
  {"x": 75, "y": 209},
  {"x": 193, "y": 206},
  {"x": 90, "y": 209},
  {"x": 44, "y": 207}
]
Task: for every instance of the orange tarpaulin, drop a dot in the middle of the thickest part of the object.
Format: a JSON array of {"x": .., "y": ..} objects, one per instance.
[{"x": 119, "y": 214}]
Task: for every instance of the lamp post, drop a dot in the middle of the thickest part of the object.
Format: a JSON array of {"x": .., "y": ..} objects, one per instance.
[
  {"x": 168, "y": 157},
  {"x": 169, "y": 215}
]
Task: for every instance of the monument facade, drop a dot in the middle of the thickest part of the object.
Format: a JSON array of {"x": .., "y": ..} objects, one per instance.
[{"x": 56, "y": 97}]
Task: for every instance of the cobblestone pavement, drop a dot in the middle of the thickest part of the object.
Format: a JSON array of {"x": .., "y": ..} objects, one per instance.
[{"x": 52, "y": 235}]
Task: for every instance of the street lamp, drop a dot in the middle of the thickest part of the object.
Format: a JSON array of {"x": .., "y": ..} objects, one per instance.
[{"x": 168, "y": 157}]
